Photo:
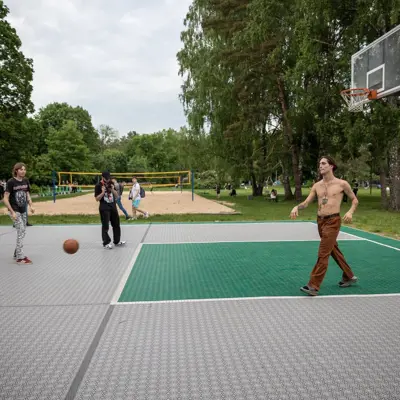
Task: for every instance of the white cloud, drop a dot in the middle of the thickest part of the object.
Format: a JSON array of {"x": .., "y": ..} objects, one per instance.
[{"x": 114, "y": 59}]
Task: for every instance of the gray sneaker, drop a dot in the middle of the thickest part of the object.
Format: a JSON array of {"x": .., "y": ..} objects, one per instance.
[
  {"x": 348, "y": 283},
  {"x": 309, "y": 290}
]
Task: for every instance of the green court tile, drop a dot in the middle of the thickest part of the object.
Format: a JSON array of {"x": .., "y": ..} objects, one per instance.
[
  {"x": 229, "y": 270},
  {"x": 371, "y": 236}
]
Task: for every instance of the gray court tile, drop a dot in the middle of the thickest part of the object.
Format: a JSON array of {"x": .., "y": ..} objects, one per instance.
[
  {"x": 172, "y": 233},
  {"x": 42, "y": 348},
  {"x": 311, "y": 349},
  {"x": 5, "y": 229},
  {"x": 88, "y": 277},
  {"x": 54, "y": 235}
]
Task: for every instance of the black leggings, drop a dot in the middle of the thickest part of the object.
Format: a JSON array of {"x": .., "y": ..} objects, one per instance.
[{"x": 106, "y": 217}]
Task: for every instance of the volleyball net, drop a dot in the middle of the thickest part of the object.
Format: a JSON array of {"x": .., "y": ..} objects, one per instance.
[{"x": 82, "y": 180}]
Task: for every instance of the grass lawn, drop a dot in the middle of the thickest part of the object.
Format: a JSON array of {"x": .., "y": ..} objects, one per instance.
[
  {"x": 36, "y": 199},
  {"x": 369, "y": 216}
]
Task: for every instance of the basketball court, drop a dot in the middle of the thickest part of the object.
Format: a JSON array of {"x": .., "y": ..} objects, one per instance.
[
  {"x": 205, "y": 311},
  {"x": 197, "y": 311}
]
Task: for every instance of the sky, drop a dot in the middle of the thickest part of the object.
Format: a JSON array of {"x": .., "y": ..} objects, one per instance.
[{"x": 116, "y": 59}]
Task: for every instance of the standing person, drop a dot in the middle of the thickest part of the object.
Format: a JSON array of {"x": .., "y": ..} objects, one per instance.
[
  {"x": 16, "y": 198},
  {"x": 120, "y": 190},
  {"x": 355, "y": 187},
  {"x": 329, "y": 191},
  {"x": 135, "y": 196},
  {"x": 106, "y": 195},
  {"x": 2, "y": 189},
  {"x": 218, "y": 190}
]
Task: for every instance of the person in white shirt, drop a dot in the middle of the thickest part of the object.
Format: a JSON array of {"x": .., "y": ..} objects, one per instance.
[{"x": 135, "y": 197}]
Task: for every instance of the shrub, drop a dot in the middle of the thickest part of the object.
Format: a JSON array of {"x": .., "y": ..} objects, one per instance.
[{"x": 35, "y": 188}]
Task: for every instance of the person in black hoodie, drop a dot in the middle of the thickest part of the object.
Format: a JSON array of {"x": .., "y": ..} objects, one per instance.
[{"x": 106, "y": 195}]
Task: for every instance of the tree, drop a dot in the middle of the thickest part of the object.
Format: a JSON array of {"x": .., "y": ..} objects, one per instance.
[
  {"x": 107, "y": 136},
  {"x": 55, "y": 115},
  {"x": 111, "y": 160},
  {"x": 138, "y": 164},
  {"x": 67, "y": 150},
  {"x": 16, "y": 72},
  {"x": 211, "y": 94}
]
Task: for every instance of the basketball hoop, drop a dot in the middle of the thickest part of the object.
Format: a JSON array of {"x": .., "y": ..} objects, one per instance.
[{"x": 356, "y": 98}]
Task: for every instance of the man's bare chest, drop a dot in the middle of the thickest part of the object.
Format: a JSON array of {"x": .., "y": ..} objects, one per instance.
[{"x": 329, "y": 191}]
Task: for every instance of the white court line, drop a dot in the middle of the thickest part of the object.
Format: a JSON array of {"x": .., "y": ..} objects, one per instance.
[
  {"x": 257, "y": 298},
  {"x": 371, "y": 233},
  {"x": 373, "y": 241},
  {"x": 252, "y": 241},
  {"x": 368, "y": 240},
  {"x": 125, "y": 277},
  {"x": 280, "y": 222}
]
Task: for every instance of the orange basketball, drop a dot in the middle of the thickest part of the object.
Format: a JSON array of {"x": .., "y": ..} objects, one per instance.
[{"x": 71, "y": 246}]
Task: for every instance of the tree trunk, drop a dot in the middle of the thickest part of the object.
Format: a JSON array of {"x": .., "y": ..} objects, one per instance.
[
  {"x": 383, "y": 182},
  {"x": 291, "y": 145},
  {"x": 286, "y": 182},
  {"x": 394, "y": 175},
  {"x": 256, "y": 186}
]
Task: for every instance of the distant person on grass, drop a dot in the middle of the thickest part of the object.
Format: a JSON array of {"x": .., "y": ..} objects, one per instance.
[
  {"x": 119, "y": 187},
  {"x": 16, "y": 199},
  {"x": 329, "y": 191},
  {"x": 136, "y": 195}
]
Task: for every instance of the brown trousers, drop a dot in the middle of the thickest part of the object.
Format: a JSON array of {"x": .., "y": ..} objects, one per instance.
[{"x": 328, "y": 231}]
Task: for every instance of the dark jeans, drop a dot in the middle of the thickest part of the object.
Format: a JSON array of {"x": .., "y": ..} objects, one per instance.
[{"x": 106, "y": 217}]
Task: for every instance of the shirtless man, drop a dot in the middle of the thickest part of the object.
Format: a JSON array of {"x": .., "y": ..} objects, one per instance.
[{"x": 329, "y": 191}]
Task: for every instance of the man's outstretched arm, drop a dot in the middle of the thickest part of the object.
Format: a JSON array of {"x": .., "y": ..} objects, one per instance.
[{"x": 295, "y": 211}]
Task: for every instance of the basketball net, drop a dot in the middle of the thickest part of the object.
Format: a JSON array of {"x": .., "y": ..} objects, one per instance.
[{"x": 356, "y": 98}]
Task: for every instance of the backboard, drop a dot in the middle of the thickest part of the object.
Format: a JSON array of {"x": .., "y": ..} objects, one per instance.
[{"x": 377, "y": 66}]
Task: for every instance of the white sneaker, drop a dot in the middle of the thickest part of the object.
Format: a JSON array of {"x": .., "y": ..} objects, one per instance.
[
  {"x": 146, "y": 215},
  {"x": 121, "y": 243},
  {"x": 108, "y": 246}
]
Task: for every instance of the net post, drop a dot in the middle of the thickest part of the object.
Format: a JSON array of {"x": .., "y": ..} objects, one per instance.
[{"x": 53, "y": 177}]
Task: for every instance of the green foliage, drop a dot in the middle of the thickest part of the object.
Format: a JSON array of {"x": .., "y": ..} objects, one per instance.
[
  {"x": 249, "y": 65},
  {"x": 138, "y": 164},
  {"x": 107, "y": 135},
  {"x": 40, "y": 170},
  {"x": 35, "y": 189},
  {"x": 54, "y": 116},
  {"x": 111, "y": 160},
  {"x": 261, "y": 84},
  {"x": 15, "y": 71},
  {"x": 16, "y": 74},
  {"x": 206, "y": 180},
  {"x": 67, "y": 150}
]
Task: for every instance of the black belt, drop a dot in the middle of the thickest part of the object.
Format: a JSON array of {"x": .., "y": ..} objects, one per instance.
[{"x": 328, "y": 216}]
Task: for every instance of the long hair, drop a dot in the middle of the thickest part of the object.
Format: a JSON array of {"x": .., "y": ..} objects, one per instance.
[
  {"x": 16, "y": 167},
  {"x": 331, "y": 161}
]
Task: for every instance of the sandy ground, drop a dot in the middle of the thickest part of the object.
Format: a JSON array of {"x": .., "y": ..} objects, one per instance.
[{"x": 154, "y": 203}]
